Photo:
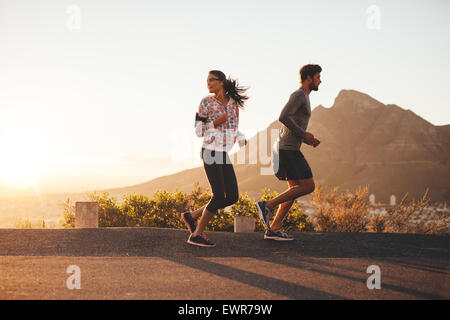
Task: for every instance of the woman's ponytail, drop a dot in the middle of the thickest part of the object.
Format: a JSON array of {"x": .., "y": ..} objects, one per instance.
[{"x": 232, "y": 88}]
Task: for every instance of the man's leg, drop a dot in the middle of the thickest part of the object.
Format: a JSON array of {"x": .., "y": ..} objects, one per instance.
[
  {"x": 299, "y": 188},
  {"x": 283, "y": 209}
]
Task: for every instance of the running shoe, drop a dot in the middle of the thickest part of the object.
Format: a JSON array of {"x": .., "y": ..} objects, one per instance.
[
  {"x": 277, "y": 235},
  {"x": 200, "y": 241},
  {"x": 263, "y": 213},
  {"x": 190, "y": 222}
]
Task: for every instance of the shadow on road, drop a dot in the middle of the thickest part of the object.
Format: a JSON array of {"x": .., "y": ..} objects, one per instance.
[{"x": 341, "y": 257}]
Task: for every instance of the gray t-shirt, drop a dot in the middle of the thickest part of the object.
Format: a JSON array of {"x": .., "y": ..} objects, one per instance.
[{"x": 294, "y": 120}]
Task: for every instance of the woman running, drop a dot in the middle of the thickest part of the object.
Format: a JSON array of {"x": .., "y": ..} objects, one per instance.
[{"x": 217, "y": 122}]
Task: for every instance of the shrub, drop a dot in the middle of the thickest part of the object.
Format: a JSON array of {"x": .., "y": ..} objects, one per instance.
[
  {"x": 245, "y": 206},
  {"x": 135, "y": 207},
  {"x": 68, "y": 214},
  {"x": 165, "y": 213},
  {"x": 344, "y": 212},
  {"x": 223, "y": 220},
  {"x": 409, "y": 217},
  {"x": 335, "y": 212},
  {"x": 377, "y": 223},
  {"x": 297, "y": 220},
  {"x": 439, "y": 225},
  {"x": 197, "y": 198},
  {"x": 109, "y": 212},
  {"x": 23, "y": 224}
]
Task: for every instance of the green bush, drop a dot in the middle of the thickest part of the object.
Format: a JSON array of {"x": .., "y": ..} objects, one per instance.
[
  {"x": 297, "y": 220},
  {"x": 245, "y": 206},
  {"x": 68, "y": 220},
  {"x": 223, "y": 220},
  {"x": 197, "y": 198},
  {"x": 164, "y": 208},
  {"x": 165, "y": 213},
  {"x": 335, "y": 212},
  {"x": 109, "y": 212},
  {"x": 136, "y": 208}
]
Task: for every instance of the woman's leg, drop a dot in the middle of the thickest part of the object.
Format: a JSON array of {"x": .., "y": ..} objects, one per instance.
[
  {"x": 206, "y": 216},
  {"x": 198, "y": 213},
  {"x": 231, "y": 186},
  {"x": 214, "y": 172}
]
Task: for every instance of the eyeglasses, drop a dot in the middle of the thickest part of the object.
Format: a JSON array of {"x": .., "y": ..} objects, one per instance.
[{"x": 212, "y": 79}]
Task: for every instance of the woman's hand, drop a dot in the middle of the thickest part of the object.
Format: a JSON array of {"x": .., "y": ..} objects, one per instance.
[{"x": 220, "y": 119}]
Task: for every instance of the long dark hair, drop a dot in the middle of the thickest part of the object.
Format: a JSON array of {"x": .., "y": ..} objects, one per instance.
[{"x": 232, "y": 88}]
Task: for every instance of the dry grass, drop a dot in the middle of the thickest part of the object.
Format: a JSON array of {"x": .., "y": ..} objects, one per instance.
[
  {"x": 341, "y": 212},
  {"x": 412, "y": 217},
  {"x": 348, "y": 212},
  {"x": 26, "y": 223}
]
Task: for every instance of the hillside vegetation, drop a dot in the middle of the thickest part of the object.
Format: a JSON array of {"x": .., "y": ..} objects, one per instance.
[{"x": 334, "y": 212}]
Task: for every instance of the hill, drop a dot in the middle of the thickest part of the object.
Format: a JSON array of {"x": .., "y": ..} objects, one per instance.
[{"x": 363, "y": 142}]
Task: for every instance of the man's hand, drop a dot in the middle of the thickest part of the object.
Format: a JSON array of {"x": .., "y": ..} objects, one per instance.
[
  {"x": 315, "y": 143},
  {"x": 308, "y": 138},
  {"x": 220, "y": 119}
]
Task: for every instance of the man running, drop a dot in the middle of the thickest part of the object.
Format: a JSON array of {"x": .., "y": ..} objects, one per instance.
[{"x": 292, "y": 165}]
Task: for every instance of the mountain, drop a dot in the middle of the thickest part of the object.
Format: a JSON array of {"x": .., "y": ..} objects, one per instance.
[{"x": 363, "y": 142}]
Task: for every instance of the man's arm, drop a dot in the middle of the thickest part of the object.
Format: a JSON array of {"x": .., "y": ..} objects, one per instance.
[
  {"x": 296, "y": 101},
  {"x": 314, "y": 142},
  {"x": 286, "y": 116}
]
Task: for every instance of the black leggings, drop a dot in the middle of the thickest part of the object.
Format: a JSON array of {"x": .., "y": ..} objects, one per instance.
[{"x": 222, "y": 179}]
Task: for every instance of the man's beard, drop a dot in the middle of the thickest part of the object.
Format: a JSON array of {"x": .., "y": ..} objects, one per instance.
[{"x": 312, "y": 87}]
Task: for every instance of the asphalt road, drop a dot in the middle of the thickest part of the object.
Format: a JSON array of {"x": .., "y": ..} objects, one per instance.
[{"x": 152, "y": 263}]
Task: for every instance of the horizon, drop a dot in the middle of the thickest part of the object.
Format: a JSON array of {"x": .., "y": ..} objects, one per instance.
[{"x": 93, "y": 92}]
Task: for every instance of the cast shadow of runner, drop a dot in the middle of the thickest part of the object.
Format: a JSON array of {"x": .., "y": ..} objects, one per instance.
[{"x": 280, "y": 287}]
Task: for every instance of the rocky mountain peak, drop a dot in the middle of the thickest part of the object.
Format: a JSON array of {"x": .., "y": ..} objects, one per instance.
[{"x": 355, "y": 99}]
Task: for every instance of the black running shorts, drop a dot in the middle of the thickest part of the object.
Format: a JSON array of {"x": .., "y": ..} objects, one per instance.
[{"x": 291, "y": 165}]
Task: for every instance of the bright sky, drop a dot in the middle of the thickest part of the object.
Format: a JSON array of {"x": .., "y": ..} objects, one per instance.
[{"x": 90, "y": 89}]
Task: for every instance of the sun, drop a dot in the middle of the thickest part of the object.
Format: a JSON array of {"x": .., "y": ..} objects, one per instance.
[{"x": 21, "y": 157}]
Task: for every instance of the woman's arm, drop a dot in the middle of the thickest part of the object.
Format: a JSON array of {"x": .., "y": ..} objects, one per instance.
[
  {"x": 220, "y": 119},
  {"x": 241, "y": 139},
  {"x": 201, "y": 118}
]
